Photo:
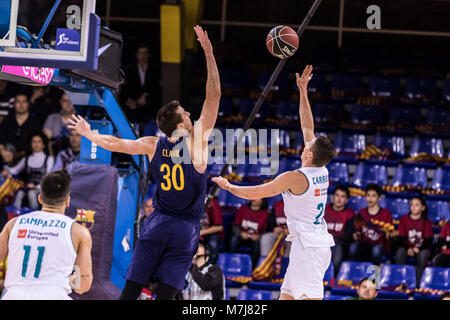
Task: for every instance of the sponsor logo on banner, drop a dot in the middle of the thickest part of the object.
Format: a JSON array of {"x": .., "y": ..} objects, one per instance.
[
  {"x": 40, "y": 75},
  {"x": 22, "y": 233},
  {"x": 85, "y": 218},
  {"x": 67, "y": 40}
]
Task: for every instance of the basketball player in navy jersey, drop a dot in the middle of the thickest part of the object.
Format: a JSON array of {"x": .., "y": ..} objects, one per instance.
[{"x": 164, "y": 251}]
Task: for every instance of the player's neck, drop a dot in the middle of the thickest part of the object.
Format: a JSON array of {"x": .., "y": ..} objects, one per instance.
[{"x": 59, "y": 210}]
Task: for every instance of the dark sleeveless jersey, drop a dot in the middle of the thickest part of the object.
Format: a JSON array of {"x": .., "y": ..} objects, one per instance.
[{"x": 180, "y": 189}]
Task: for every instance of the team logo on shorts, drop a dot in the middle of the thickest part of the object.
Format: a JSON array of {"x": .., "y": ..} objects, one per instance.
[
  {"x": 85, "y": 218},
  {"x": 22, "y": 233}
]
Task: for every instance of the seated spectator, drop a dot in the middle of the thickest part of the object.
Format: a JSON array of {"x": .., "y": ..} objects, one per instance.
[
  {"x": 367, "y": 290},
  {"x": 7, "y": 157},
  {"x": 371, "y": 240},
  {"x": 250, "y": 223},
  {"x": 205, "y": 280},
  {"x": 7, "y": 92},
  {"x": 67, "y": 156},
  {"x": 415, "y": 234},
  {"x": 276, "y": 225},
  {"x": 18, "y": 126},
  {"x": 148, "y": 209},
  {"x": 337, "y": 217},
  {"x": 211, "y": 231},
  {"x": 42, "y": 105},
  {"x": 31, "y": 169},
  {"x": 55, "y": 127},
  {"x": 442, "y": 259}
]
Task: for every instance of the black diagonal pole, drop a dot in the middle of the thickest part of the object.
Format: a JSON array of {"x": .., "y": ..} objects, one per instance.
[{"x": 263, "y": 95}]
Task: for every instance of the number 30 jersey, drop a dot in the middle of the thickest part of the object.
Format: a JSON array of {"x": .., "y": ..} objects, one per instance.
[
  {"x": 40, "y": 252},
  {"x": 305, "y": 212},
  {"x": 180, "y": 189}
]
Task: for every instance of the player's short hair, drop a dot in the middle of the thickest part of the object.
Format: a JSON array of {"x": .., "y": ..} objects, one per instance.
[
  {"x": 55, "y": 188},
  {"x": 374, "y": 187},
  {"x": 323, "y": 151},
  {"x": 343, "y": 189},
  {"x": 168, "y": 118}
]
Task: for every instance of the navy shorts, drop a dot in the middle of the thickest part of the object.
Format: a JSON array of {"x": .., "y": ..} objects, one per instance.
[{"x": 164, "y": 251}]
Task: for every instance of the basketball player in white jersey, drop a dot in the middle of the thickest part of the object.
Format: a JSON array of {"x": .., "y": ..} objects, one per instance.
[
  {"x": 43, "y": 246},
  {"x": 304, "y": 194}
]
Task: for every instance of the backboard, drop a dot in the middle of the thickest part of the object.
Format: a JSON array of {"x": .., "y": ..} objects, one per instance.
[{"x": 49, "y": 33}]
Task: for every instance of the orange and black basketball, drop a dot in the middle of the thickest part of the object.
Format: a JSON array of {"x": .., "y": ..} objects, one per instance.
[{"x": 282, "y": 42}]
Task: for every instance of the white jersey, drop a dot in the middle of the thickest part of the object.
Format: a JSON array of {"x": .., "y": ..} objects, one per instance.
[
  {"x": 41, "y": 253},
  {"x": 305, "y": 212}
]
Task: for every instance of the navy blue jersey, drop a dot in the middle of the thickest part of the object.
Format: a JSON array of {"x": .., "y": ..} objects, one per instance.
[{"x": 180, "y": 189}]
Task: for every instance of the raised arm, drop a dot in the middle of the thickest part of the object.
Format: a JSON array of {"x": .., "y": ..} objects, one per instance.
[
  {"x": 210, "y": 108},
  {"x": 306, "y": 117},
  {"x": 283, "y": 182},
  {"x": 144, "y": 145}
]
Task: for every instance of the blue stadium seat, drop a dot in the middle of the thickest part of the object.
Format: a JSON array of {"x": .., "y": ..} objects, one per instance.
[
  {"x": 328, "y": 278},
  {"x": 330, "y": 114},
  {"x": 357, "y": 203},
  {"x": 384, "y": 87},
  {"x": 265, "y": 285},
  {"x": 405, "y": 175},
  {"x": 346, "y": 82},
  {"x": 392, "y": 276},
  {"x": 316, "y": 84},
  {"x": 227, "y": 199},
  {"x": 438, "y": 211},
  {"x": 416, "y": 88},
  {"x": 283, "y": 140},
  {"x": 396, "y": 145},
  {"x": 362, "y": 114},
  {"x": 438, "y": 116},
  {"x": 336, "y": 297},
  {"x": 248, "y": 294},
  {"x": 370, "y": 173},
  {"x": 397, "y": 206},
  {"x": 441, "y": 179},
  {"x": 435, "y": 279},
  {"x": 235, "y": 265},
  {"x": 272, "y": 200},
  {"x": 245, "y": 107},
  {"x": 280, "y": 84},
  {"x": 214, "y": 169},
  {"x": 226, "y": 107},
  {"x": 338, "y": 173},
  {"x": 287, "y": 110},
  {"x": 349, "y": 146},
  {"x": 350, "y": 273},
  {"x": 151, "y": 129},
  {"x": 234, "y": 78},
  {"x": 406, "y": 116},
  {"x": 428, "y": 145}
]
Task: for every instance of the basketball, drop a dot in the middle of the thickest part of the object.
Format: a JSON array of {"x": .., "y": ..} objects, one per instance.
[{"x": 282, "y": 42}]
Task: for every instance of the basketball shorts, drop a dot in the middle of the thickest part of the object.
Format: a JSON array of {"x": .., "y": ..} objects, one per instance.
[
  {"x": 306, "y": 270},
  {"x": 164, "y": 251},
  {"x": 35, "y": 293}
]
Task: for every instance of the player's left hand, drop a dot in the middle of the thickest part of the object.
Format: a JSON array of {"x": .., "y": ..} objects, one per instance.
[
  {"x": 79, "y": 125},
  {"x": 202, "y": 37},
  {"x": 221, "y": 182}
]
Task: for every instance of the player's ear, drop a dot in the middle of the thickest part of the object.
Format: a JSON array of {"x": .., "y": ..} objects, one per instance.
[
  {"x": 68, "y": 201},
  {"x": 40, "y": 199}
]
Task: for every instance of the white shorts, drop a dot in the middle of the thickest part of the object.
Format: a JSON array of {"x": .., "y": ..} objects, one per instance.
[
  {"x": 35, "y": 293},
  {"x": 305, "y": 272}
]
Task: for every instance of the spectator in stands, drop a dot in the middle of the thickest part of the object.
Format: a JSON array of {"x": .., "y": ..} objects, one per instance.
[
  {"x": 42, "y": 105},
  {"x": 7, "y": 157},
  {"x": 205, "y": 280},
  {"x": 415, "y": 234},
  {"x": 211, "y": 231},
  {"x": 71, "y": 154},
  {"x": 276, "y": 225},
  {"x": 337, "y": 217},
  {"x": 148, "y": 209},
  {"x": 367, "y": 290},
  {"x": 55, "y": 127},
  {"x": 442, "y": 259},
  {"x": 31, "y": 169},
  {"x": 6, "y": 99},
  {"x": 19, "y": 125},
  {"x": 141, "y": 92},
  {"x": 250, "y": 223},
  {"x": 371, "y": 240}
]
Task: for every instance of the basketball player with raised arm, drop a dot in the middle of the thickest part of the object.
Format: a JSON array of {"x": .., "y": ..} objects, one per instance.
[
  {"x": 164, "y": 250},
  {"x": 304, "y": 194},
  {"x": 43, "y": 247}
]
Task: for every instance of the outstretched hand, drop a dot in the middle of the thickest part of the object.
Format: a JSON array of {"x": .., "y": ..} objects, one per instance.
[
  {"x": 222, "y": 182},
  {"x": 80, "y": 125},
  {"x": 202, "y": 37},
  {"x": 302, "y": 82}
]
